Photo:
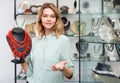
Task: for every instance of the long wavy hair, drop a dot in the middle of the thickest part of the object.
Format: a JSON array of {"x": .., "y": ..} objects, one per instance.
[{"x": 58, "y": 27}]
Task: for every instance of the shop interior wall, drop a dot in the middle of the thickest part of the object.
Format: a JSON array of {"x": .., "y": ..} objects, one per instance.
[{"x": 6, "y": 23}]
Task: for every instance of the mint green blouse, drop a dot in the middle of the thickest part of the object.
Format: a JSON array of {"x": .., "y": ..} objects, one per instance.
[{"x": 46, "y": 52}]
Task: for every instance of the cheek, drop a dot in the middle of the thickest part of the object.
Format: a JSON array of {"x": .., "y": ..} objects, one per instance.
[
  {"x": 43, "y": 22},
  {"x": 54, "y": 21}
]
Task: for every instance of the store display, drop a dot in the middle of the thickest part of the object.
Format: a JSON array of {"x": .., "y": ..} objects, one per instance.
[
  {"x": 108, "y": 6},
  {"x": 96, "y": 22},
  {"x": 112, "y": 52},
  {"x": 35, "y": 8},
  {"x": 117, "y": 32},
  {"x": 76, "y": 56},
  {"x": 91, "y": 6},
  {"x": 105, "y": 74},
  {"x": 71, "y": 11},
  {"x": 106, "y": 31},
  {"x": 76, "y": 28},
  {"x": 66, "y": 23},
  {"x": 97, "y": 50},
  {"x": 30, "y": 28},
  {"x": 109, "y": 47},
  {"x": 82, "y": 46},
  {"x": 118, "y": 49},
  {"x": 75, "y": 4},
  {"x": 64, "y": 9},
  {"x": 85, "y": 5},
  {"x": 23, "y": 6},
  {"x": 103, "y": 68},
  {"x": 109, "y": 31},
  {"x": 102, "y": 34},
  {"x": 116, "y": 23},
  {"x": 116, "y": 2}
]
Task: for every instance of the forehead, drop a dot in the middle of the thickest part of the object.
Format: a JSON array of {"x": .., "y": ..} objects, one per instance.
[{"x": 48, "y": 11}]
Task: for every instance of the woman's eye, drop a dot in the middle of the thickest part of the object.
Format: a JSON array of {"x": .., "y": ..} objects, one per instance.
[
  {"x": 53, "y": 16},
  {"x": 44, "y": 16}
]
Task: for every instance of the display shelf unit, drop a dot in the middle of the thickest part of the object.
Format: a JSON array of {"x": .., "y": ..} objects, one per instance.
[
  {"x": 96, "y": 51},
  {"x": 73, "y": 36}
]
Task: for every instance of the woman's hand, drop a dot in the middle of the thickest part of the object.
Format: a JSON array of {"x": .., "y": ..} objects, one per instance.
[{"x": 59, "y": 66}]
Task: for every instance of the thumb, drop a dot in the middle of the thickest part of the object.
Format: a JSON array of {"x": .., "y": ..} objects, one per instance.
[{"x": 64, "y": 62}]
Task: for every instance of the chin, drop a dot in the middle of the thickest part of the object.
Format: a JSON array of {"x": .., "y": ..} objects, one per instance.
[{"x": 49, "y": 27}]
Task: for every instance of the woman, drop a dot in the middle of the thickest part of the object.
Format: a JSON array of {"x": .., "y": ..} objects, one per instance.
[{"x": 50, "y": 58}]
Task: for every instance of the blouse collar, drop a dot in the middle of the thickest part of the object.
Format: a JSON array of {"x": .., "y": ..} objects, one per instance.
[{"x": 49, "y": 36}]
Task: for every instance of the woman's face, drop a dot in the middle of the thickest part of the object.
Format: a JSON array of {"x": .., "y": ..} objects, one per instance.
[{"x": 48, "y": 18}]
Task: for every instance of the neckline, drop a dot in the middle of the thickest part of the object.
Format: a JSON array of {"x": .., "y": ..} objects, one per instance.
[{"x": 48, "y": 36}]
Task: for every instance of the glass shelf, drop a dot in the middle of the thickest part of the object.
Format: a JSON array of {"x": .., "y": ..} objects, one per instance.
[
  {"x": 89, "y": 59},
  {"x": 72, "y": 81},
  {"x": 112, "y": 14},
  {"x": 25, "y": 14},
  {"x": 96, "y": 60},
  {"x": 72, "y": 35},
  {"x": 70, "y": 14},
  {"x": 90, "y": 14},
  {"x": 97, "y": 39},
  {"x": 90, "y": 82}
]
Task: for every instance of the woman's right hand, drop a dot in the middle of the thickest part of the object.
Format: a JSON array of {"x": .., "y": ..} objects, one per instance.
[{"x": 59, "y": 66}]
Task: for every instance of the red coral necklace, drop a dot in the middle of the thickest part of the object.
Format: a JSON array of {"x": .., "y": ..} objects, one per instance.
[{"x": 24, "y": 45}]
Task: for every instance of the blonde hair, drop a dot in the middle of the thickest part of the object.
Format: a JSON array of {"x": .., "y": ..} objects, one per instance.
[{"x": 58, "y": 27}]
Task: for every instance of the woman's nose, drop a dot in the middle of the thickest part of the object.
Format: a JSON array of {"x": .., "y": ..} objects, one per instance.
[{"x": 48, "y": 18}]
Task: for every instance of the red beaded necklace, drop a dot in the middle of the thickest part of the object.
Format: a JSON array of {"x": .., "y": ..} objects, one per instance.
[{"x": 14, "y": 44}]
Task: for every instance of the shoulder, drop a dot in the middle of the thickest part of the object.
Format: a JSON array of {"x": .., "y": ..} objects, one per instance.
[
  {"x": 63, "y": 39},
  {"x": 35, "y": 40}
]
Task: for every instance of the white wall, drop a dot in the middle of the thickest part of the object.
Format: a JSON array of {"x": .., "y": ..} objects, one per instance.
[{"x": 6, "y": 23}]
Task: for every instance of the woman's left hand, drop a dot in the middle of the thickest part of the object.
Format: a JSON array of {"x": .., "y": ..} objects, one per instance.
[{"x": 59, "y": 66}]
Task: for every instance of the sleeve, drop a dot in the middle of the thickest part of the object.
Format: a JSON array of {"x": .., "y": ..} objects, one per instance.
[
  {"x": 30, "y": 66},
  {"x": 29, "y": 60},
  {"x": 66, "y": 53}
]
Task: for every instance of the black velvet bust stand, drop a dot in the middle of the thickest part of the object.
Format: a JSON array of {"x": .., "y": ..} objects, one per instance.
[{"x": 19, "y": 35}]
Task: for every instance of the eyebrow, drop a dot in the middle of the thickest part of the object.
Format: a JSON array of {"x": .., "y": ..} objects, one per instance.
[{"x": 47, "y": 14}]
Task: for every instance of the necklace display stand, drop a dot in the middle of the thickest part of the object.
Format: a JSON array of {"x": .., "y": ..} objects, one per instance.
[{"x": 20, "y": 45}]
